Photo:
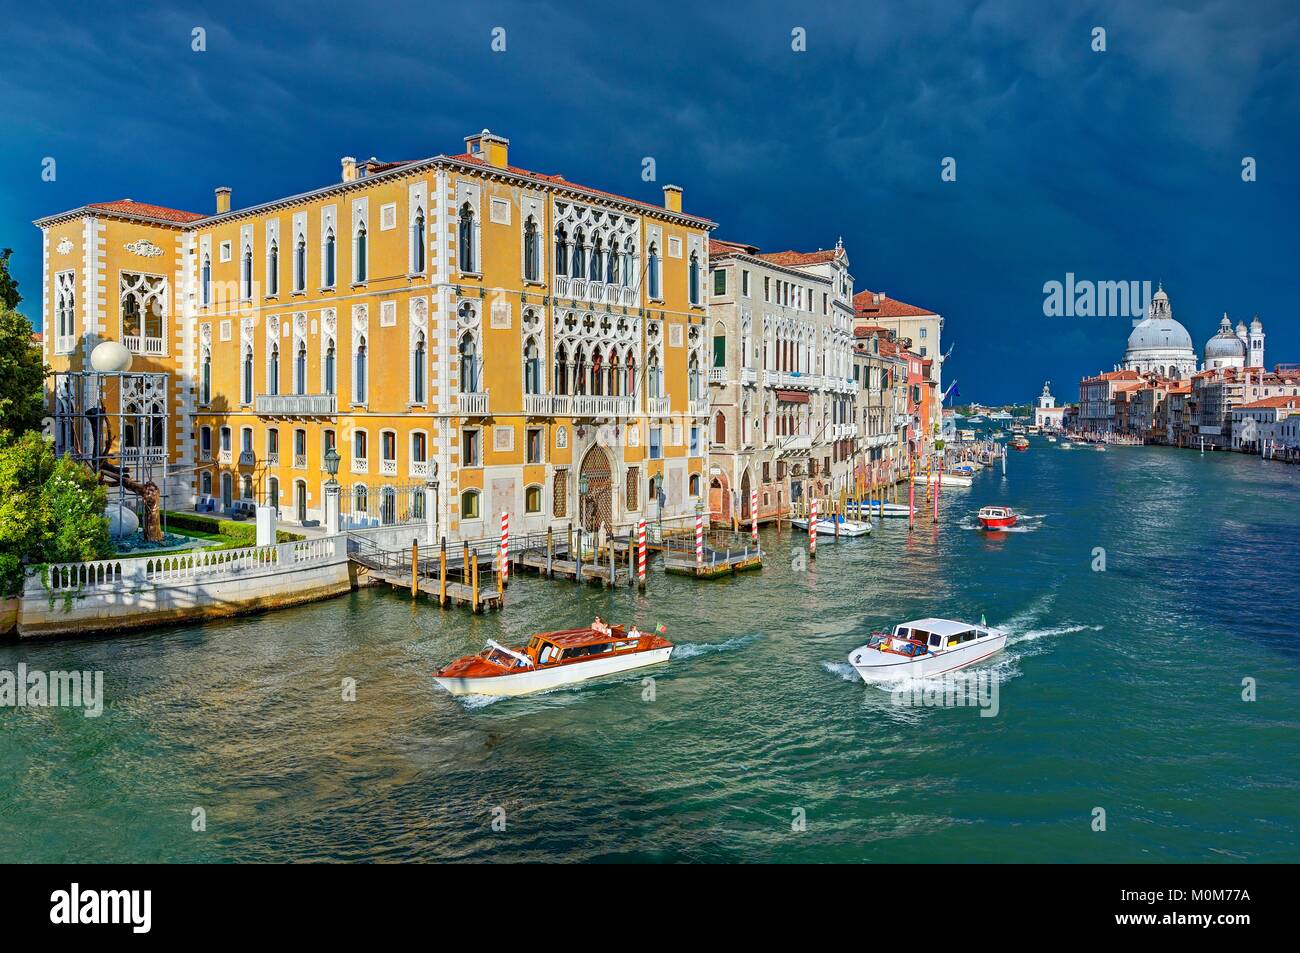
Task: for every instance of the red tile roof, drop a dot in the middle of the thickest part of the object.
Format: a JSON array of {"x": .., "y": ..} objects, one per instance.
[
  {"x": 718, "y": 248},
  {"x": 801, "y": 257},
  {"x": 1279, "y": 401},
  {"x": 130, "y": 207},
  {"x": 865, "y": 303}
]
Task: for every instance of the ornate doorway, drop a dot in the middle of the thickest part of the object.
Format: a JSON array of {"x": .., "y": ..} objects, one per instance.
[{"x": 595, "y": 491}]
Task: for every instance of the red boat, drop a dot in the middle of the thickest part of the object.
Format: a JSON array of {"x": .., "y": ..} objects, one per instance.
[
  {"x": 1020, "y": 443},
  {"x": 997, "y": 517}
]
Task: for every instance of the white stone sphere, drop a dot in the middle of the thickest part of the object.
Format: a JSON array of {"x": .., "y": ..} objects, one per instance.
[
  {"x": 110, "y": 357},
  {"x": 121, "y": 521}
]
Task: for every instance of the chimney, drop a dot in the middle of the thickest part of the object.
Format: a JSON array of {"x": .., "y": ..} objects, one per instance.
[
  {"x": 349, "y": 169},
  {"x": 223, "y": 199},
  {"x": 491, "y": 148},
  {"x": 673, "y": 198}
]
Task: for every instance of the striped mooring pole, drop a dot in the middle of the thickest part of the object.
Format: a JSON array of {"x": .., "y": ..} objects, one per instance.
[
  {"x": 753, "y": 516},
  {"x": 505, "y": 547},
  {"x": 640, "y": 553},
  {"x": 812, "y": 531},
  {"x": 699, "y": 540}
]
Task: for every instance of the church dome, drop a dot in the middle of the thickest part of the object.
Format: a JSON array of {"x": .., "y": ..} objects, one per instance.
[
  {"x": 1223, "y": 346},
  {"x": 1160, "y": 334}
]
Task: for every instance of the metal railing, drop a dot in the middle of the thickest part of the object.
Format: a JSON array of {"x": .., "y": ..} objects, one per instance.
[{"x": 295, "y": 405}]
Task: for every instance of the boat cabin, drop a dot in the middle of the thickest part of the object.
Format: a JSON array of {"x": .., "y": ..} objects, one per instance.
[
  {"x": 934, "y": 635},
  {"x": 551, "y": 648}
]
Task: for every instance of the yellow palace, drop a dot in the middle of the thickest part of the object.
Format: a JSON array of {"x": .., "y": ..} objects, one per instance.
[{"x": 532, "y": 344}]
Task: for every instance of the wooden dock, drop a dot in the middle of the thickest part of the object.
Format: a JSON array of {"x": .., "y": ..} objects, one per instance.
[
  {"x": 725, "y": 554},
  {"x": 549, "y": 556},
  {"x": 464, "y": 578}
]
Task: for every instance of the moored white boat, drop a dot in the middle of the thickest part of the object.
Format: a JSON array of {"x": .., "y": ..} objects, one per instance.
[
  {"x": 945, "y": 479},
  {"x": 552, "y": 659},
  {"x": 877, "y": 508},
  {"x": 826, "y": 526},
  {"x": 923, "y": 648}
]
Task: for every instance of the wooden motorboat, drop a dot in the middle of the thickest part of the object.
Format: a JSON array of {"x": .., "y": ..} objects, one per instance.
[
  {"x": 1020, "y": 443},
  {"x": 997, "y": 517},
  {"x": 551, "y": 659},
  {"x": 925, "y": 647},
  {"x": 945, "y": 479}
]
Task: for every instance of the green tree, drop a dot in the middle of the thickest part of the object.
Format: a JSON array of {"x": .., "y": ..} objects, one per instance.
[
  {"x": 51, "y": 509},
  {"x": 9, "y": 296},
  {"x": 22, "y": 374}
]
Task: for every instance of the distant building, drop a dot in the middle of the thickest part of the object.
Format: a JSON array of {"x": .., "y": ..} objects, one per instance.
[
  {"x": 1252, "y": 423},
  {"x": 1159, "y": 344},
  {"x": 1047, "y": 415}
]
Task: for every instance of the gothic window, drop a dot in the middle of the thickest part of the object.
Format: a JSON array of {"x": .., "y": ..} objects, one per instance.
[
  {"x": 693, "y": 275},
  {"x": 246, "y": 376},
  {"x": 562, "y": 370},
  {"x": 694, "y": 386},
  {"x": 246, "y": 275},
  {"x": 417, "y": 242},
  {"x": 328, "y": 372},
  {"x": 719, "y": 345},
  {"x": 532, "y": 368},
  {"x": 579, "y": 254},
  {"x": 596, "y": 258},
  {"x": 206, "y": 280},
  {"x": 300, "y": 264},
  {"x": 273, "y": 268},
  {"x": 273, "y": 369},
  {"x": 469, "y": 364},
  {"x": 653, "y": 270},
  {"x": 418, "y": 363},
  {"x": 561, "y": 251},
  {"x": 205, "y": 377},
  {"x": 629, "y": 265},
  {"x": 359, "y": 254},
  {"x": 329, "y": 256},
  {"x": 300, "y": 369},
  {"x": 720, "y": 429},
  {"x": 654, "y": 377},
  {"x": 359, "y": 372},
  {"x": 532, "y": 251},
  {"x": 466, "y": 236}
]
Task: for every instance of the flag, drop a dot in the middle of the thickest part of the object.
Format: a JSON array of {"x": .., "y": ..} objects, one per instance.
[{"x": 661, "y": 628}]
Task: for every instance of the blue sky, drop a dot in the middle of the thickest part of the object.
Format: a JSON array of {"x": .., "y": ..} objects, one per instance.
[{"x": 1122, "y": 165}]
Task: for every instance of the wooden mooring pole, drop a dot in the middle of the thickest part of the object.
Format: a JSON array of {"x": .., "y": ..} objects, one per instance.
[
  {"x": 442, "y": 573},
  {"x": 415, "y": 568}
]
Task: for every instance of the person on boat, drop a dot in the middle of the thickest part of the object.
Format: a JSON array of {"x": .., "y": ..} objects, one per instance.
[{"x": 599, "y": 627}]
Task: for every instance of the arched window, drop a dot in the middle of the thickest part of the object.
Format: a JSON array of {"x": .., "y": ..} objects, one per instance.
[
  {"x": 720, "y": 429},
  {"x": 561, "y": 251},
  {"x": 388, "y": 506},
  {"x": 361, "y": 365},
  {"x": 562, "y": 370},
  {"x": 532, "y": 251},
  {"x": 653, "y": 376},
  {"x": 466, "y": 234},
  {"x": 533, "y": 499},
  {"x": 207, "y": 280},
  {"x": 419, "y": 447},
  {"x": 532, "y": 368},
  {"x": 653, "y": 265},
  {"x": 329, "y": 259},
  {"x": 300, "y": 264},
  {"x": 611, "y": 366},
  {"x": 300, "y": 369},
  {"x": 693, "y": 385},
  {"x": 328, "y": 373},
  {"x": 246, "y": 377},
  {"x": 469, "y": 505},
  {"x": 205, "y": 377},
  {"x": 694, "y": 489},
  {"x": 417, "y": 242},
  {"x": 205, "y": 483},
  {"x": 468, "y": 364},
  {"x": 359, "y": 254},
  {"x": 273, "y": 268},
  {"x": 611, "y": 263},
  {"x": 419, "y": 361},
  {"x": 694, "y": 277},
  {"x": 597, "y": 258},
  {"x": 579, "y": 254},
  {"x": 360, "y": 500},
  {"x": 273, "y": 369},
  {"x": 597, "y": 374},
  {"x": 246, "y": 275},
  {"x": 273, "y": 494},
  {"x": 629, "y": 371},
  {"x": 629, "y": 265},
  {"x": 719, "y": 345},
  {"x": 580, "y": 370}
]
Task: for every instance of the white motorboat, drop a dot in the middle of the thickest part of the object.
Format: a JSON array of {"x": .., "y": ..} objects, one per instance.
[
  {"x": 945, "y": 479},
  {"x": 877, "y": 508},
  {"x": 826, "y": 526},
  {"x": 1051, "y": 439},
  {"x": 925, "y": 647},
  {"x": 1065, "y": 445}
]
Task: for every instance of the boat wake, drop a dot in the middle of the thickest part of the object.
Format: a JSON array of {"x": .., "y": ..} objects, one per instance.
[
  {"x": 685, "y": 650},
  {"x": 843, "y": 669}
]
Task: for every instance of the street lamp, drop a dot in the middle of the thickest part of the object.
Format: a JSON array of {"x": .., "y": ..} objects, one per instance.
[
  {"x": 332, "y": 459},
  {"x": 332, "y": 491}
]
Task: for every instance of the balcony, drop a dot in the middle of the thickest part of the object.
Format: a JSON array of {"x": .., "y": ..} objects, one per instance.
[
  {"x": 611, "y": 294},
  {"x": 748, "y": 375},
  {"x": 561, "y": 284},
  {"x": 797, "y": 443},
  {"x": 273, "y": 459},
  {"x": 223, "y": 456},
  {"x": 419, "y": 469},
  {"x": 295, "y": 405},
  {"x": 577, "y": 288},
  {"x": 65, "y": 343},
  {"x": 473, "y": 403},
  {"x": 659, "y": 407},
  {"x": 300, "y": 461},
  {"x": 548, "y": 405},
  {"x": 247, "y": 458},
  {"x": 388, "y": 468},
  {"x": 143, "y": 345},
  {"x": 717, "y": 375},
  {"x": 595, "y": 291},
  {"x": 699, "y": 407},
  {"x": 586, "y": 405},
  {"x": 360, "y": 464},
  {"x": 627, "y": 296}
]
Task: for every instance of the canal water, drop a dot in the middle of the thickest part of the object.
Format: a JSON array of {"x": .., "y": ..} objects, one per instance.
[{"x": 1121, "y": 691}]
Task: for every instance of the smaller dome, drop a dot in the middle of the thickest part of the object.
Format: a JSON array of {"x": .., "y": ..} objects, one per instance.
[
  {"x": 1223, "y": 346},
  {"x": 110, "y": 357}
]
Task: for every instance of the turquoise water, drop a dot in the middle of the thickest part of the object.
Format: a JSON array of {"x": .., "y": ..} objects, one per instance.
[{"x": 1119, "y": 689}]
